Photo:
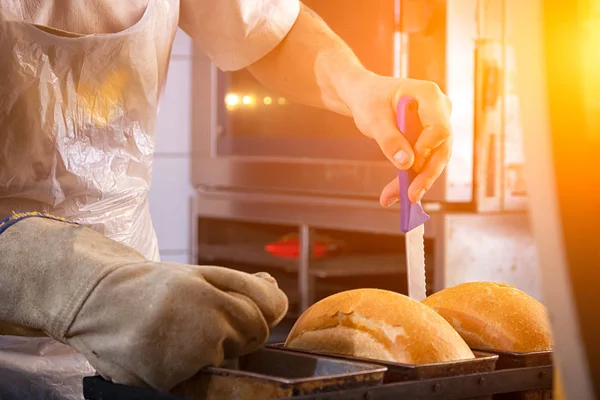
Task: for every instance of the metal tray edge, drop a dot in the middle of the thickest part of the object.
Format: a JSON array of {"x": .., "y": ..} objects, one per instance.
[{"x": 485, "y": 356}]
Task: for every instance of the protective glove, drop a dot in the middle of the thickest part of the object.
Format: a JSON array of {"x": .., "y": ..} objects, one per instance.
[{"x": 137, "y": 322}]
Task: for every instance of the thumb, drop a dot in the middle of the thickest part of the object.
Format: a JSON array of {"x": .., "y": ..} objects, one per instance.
[
  {"x": 393, "y": 144},
  {"x": 267, "y": 277}
]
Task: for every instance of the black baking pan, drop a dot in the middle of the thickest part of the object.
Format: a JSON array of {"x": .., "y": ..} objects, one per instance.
[
  {"x": 264, "y": 374},
  {"x": 478, "y": 385},
  {"x": 509, "y": 360},
  {"x": 397, "y": 372}
]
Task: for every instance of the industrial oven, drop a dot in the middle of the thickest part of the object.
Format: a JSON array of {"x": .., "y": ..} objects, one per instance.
[{"x": 259, "y": 158}]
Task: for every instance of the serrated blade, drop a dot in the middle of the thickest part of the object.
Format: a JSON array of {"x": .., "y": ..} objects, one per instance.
[
  {"x": 415, "y": 263},
  {"x": 412, "y": 216}
]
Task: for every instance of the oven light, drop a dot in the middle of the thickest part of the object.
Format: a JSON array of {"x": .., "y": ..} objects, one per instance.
[
  {"x": 247, "y": 100},
  {"x": 267, "y": 100},
  {"x": 232, "y": 100},
  {"x": 281, "y": 101}
]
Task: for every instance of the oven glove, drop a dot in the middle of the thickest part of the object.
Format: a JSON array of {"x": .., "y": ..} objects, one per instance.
[{"x": 142, "y": 323}]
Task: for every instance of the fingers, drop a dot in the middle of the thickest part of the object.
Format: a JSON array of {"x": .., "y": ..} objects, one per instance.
[
  {"x": 430, "y": 154},
  {"x": 395, "y": 146},
  {"x": 391, "y": 142},
  {"x": 432, "y": 169},
  {"x": 390, "y": 194},
  {"x": 271, "y": 300},
  {"x": 434, "y": 111},
  {"x": 430, "y": 139}
]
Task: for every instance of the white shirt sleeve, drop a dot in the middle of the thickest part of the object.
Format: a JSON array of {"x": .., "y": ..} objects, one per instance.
[{"x": 236, "y": 33}]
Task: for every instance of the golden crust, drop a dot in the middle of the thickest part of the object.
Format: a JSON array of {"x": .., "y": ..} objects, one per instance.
[
  {"x": 378, "y": 324},
  {"x": 495, "y": 316}
]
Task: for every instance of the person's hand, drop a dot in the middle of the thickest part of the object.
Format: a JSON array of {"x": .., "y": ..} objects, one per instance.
[
  {"x": 158, "y": 324},
  {"x": 373, "y": 100},
  {"x": 136, "y": 322}
]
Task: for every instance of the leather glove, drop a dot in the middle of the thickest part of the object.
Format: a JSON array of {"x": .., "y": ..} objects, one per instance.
[{"x": 137, "y": 322}]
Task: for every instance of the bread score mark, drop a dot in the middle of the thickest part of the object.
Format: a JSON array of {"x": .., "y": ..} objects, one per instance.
[
  {"x": 384, "y": 333},
  {"x": 354, "y": 323},
  {"x": 474, "y": 331}
]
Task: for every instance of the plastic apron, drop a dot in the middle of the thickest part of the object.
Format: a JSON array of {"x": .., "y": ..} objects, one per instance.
[{"x": 77, "y": 134}]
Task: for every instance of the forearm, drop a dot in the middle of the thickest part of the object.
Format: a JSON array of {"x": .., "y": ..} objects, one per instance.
[{"x": 312, "y": 65}]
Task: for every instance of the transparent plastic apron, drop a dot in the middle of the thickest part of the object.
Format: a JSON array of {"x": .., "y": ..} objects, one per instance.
[{"x": 77, "y": 134}]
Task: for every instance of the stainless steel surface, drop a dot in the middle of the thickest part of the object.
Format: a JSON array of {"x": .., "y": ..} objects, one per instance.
[
  {"x": 489, "y": 105},
  {"x": 294, "y": 209},
  {"x": 304, "y": 284},
  {"x": 415, "y": 263},
  {"x": 343, "y": 265},
  {"x": 400, "y": 44},
  {"x": 461, "y": 26},
  {"x": 499, "y": 178},
  {"x": 316, "y": 177},
  {"x": 489, "y": 247}
]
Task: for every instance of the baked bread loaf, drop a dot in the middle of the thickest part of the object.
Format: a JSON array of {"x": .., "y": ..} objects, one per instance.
[
  {"x": 494, "y": 316},
  {"x": 377, "y": 324}
]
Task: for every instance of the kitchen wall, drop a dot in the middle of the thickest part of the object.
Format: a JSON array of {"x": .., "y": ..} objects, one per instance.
[{"x": 171, "y": 188}]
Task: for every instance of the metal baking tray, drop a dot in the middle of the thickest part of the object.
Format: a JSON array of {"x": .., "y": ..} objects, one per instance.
[
  {"x": 462, "y": 387},
  {"x": 509, "y": 360},
  {"x": 479, "y": 385},
  {"x": 265, "y": 374},
  {"x": 397, "y": 372}
]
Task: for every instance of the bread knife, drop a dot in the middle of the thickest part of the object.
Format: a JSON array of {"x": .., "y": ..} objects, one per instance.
[{"x": 412, "y": 216}]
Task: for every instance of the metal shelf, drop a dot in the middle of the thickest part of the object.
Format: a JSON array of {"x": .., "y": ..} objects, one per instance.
[
  {"x": 245, "y": 254},
  {"x": 342, "y": 265}
]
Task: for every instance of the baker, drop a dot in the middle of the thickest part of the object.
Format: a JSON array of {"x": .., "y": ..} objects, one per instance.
[{"x": 82, "y": 288}]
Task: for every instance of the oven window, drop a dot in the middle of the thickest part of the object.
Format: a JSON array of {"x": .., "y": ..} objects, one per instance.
[{"x": 255, "y": 121}]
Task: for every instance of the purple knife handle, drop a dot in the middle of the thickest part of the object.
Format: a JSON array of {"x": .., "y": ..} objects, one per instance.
[{"x": 409, "y": 123}]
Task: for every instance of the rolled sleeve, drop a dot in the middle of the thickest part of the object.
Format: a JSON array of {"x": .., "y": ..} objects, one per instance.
[{"x": 236, "y": 33}]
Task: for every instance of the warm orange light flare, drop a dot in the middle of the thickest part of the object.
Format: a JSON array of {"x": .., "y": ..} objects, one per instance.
[{"x": 590, "y": 65}]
